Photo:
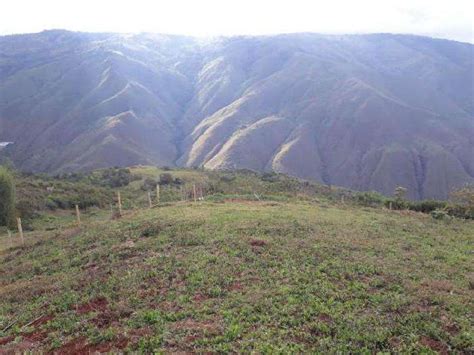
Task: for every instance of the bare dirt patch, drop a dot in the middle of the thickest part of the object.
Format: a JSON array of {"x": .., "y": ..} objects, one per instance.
[
  {"x": 97, "y": 304},
  {"x": 42, "y": 320},
  {"x": 105, "y": 319},
  {"x": 199, "y": 297},
  {"x": 236, "y": 286},
  {"x": 435, "y": 345},
  {"x": 6, "y": 340},
  {"x": 257, "y": 243},
  {"x": 80, "y": 346},
  {"x": 325, "y": 318}
]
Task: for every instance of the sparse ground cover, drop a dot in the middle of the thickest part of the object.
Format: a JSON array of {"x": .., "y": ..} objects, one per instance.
[{"x": 232, "y": 274}]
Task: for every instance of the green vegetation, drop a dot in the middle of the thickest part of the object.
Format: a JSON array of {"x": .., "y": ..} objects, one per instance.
[
  {"x": 7, "y": 198},
  {"x": 264, "y": 264}
]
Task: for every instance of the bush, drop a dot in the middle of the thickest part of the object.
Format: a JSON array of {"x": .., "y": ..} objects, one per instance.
[
  {"x": 460, "y": 211},
  {"x": 148, "y": 184},
  {"x": 270, "y": 177},
  {"x": 396, "y": 204},
  {"x": 116, "y": 177},
  {"x": 7, "y": 198},
  {"x": 369, "y": 198},
  {"x": 427, "y": 206},
  {"x": 227, "y": 178},
  {"x": 439, "y": 214},
  {"x": 166, "y": 179},
  {"x": 26, "y": 209}
]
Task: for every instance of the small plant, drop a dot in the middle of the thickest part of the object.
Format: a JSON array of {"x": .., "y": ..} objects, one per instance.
[{"x": 439, "y": 214}]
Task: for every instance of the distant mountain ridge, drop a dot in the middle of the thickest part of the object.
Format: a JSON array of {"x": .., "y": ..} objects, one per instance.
[{"x": 369, "y": 112}]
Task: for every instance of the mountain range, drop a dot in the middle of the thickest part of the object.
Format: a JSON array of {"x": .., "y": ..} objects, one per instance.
[{"x": 368, "y": 112}]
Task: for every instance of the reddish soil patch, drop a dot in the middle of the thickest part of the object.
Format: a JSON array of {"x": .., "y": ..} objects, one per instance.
[
  {"x": 75, "y": 346},
  {"x": 42, "y": 320},
  {"x": 325, "y": 318},
  {"x": 139, "y": 333},
  {"x": 134, "y": 335},
  {"x": 449, "y": 326},
  {"x": 438, "y": 285},
  {"x": 199, "y": 297},
  {"x": 92, "y": 266},
  {"x": 80, "y": 346},
  {"x": 394, "y": 342},
  {"x": 97, "y": 304},
  {"x": 35, "y": 336},
  {"x": 257, "y": 243},
  {"x": 169, "y": 306},
  {"x": 6, "y": 340},
  {"x": 435, "y": 345},
  {"x": 105, "y": 319},
  {"x": 236, "y": 286}
]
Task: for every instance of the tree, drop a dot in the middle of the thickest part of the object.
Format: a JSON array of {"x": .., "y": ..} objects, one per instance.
[
  {"x": 400, "y": 193},
  {"x": 7, "y": 198},
  {"x": 400, "y": 202}
]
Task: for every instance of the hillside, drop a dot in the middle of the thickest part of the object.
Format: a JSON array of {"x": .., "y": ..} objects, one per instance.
[
  {"x": 367, "y": 112},
  {"x": 288, "y": 268}
]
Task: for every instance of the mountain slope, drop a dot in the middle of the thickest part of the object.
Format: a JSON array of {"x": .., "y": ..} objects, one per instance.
[{"x": 366, "y": 112}]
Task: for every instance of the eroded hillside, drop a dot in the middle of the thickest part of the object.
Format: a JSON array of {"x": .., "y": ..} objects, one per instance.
[{"x": 365, "y": 112}]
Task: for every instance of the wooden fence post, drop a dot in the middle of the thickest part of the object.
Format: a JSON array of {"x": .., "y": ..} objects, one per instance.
[
  {"x": 20, "y": 230},
  {"x": 10, "y": 237},
  {"x": 78, "y": 216},
  {"x": 194, "y": 192},
  {"x": 390, "y": 205},
  {"x": 119, "y": 203},
  {"x": 149, "y": 200},
  {"x": 157, "y": 193}
]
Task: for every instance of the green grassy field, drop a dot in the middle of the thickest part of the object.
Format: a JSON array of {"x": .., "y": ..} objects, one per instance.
[
  {"x": 243, "y": 276},
  {"x": 240, "y": 275}
]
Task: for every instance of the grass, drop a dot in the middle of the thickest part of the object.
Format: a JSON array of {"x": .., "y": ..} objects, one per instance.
[{"x": 236, "y": 275}]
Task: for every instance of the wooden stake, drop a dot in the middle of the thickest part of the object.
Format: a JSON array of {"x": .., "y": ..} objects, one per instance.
[
  {"x": 157, "y": 193},
  {"x": 201, "y": 196},
  {"x": 78, "y": 215},
  {"x": 149, "y": 200},
  {"x": 194, "y": 192},
  {"x": 119, "y": 203},
  {"x": 390, "y": 205},
  {"x": 20, "y": 230}
]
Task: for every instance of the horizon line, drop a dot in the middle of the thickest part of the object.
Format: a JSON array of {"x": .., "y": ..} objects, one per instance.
[{"x": 238, "y": 35}]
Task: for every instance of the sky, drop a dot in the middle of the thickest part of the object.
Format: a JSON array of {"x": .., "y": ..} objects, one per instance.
[{"x": 452, "y": 19}]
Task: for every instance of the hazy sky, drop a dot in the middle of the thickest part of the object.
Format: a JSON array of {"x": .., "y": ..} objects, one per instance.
[{"x": 440, "y": 18}]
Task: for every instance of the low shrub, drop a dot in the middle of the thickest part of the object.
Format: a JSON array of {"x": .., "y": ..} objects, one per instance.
[
  {"x": 427, "y": 206},
  {"x": 439, "y": 214},
  {"x": 369, "y": 198}
]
